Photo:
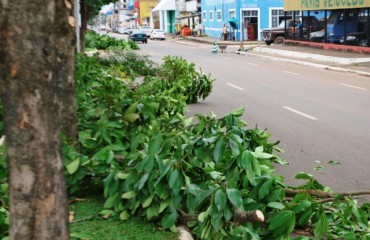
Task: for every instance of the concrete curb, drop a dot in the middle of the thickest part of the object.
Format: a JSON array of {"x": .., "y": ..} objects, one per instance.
[
  {"x": 282, "y": 55},
  {"x": 316, "y": 65},
  {"x": 316, "y": 57}
]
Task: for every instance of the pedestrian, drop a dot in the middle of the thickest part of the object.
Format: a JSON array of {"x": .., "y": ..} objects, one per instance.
[
  {"x": 178, "y": 29},
  {"x": 225, "y": 32},
  {"x": 300, "y": 29}
]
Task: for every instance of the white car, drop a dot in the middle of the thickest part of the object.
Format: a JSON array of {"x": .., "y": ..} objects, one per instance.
[
  {"x": 317, "y": 36},
  {"x": 157, "y": 34},
  {"x": 146, "y": 29},
  {"x": 125, "y": 30}
]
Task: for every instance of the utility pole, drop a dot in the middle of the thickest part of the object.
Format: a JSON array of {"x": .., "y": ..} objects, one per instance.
[{"x": 77, "y": 23}]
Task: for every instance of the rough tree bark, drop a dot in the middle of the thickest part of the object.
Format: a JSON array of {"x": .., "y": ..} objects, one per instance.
[
  {"x": 84, "y": 18},
  {"x": 36, "y": 74}
]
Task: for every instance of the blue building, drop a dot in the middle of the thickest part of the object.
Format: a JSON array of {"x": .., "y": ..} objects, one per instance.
[{"x": 245, "y": 18}]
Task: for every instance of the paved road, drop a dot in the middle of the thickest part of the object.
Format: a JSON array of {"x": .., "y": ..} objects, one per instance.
[{"x": 318, "y": 115}]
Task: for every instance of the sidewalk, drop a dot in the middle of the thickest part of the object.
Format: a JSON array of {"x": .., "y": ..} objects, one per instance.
[{"x": 327, "y": 59}]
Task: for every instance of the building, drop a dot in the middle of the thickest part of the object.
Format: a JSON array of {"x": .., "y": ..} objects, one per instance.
[
  {"x": 245, "y": 18},
  {"x": 185, "y": 13},
  {"x": 165, "y": 11}
]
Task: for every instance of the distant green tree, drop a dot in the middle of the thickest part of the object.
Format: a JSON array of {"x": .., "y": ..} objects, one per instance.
[{"x": 89, "y": 9}]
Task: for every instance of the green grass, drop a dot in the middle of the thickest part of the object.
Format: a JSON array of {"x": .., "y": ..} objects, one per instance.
[{"x": 94, "y": 227}]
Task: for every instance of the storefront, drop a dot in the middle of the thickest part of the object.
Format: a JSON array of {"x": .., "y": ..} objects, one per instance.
[{"x": 345, "y": 21}]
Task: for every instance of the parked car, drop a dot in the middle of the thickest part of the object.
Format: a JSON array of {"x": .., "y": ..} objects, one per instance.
[
  {"x": 157, "y": 34},
  {"x": 317, "y": 36},
  {"x": 138, "y": 36},
  {"x": 276, "y": 35},
  {"x": 146, "y": 29},
  {"x": 356, "y": 39},
  {"x": 337, "y": 26},
  {"x": 125, "y": 30}
]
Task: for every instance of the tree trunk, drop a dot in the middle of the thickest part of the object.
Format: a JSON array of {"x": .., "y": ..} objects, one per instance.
[
  {"x": 36, "y": 73},
  {"x": 84, "y": 17}
]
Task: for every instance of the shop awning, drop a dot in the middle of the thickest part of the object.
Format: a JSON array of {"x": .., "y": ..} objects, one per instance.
[
  {"x": 165, "y": 5},
  {"x": 303, "y": 5}
]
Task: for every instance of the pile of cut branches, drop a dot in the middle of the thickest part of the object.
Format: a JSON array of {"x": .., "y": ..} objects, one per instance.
[{"x": 213, "y": 175}]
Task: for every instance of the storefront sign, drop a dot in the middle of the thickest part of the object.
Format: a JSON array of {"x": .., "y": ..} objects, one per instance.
[{"x": 302, "y": 5}]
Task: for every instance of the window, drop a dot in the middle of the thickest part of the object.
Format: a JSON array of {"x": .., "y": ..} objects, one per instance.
[
  {"x": 232, "y": 14},
  {"x": 211, "y": 16},
  {"x": 277, "y": 15},
  {"x": 219, "y": 15},
  {"x": 204, "y": 16}
]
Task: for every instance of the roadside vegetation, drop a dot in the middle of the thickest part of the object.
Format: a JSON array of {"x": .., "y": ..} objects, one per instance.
[{"x": 139, "y": 157}]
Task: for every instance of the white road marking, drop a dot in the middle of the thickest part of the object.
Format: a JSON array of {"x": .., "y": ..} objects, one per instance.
[
  {"x": 234, "y": 86},
  {"x": 226, "y": 58},
  {"x": 252, "y": 64},
  {"x": 293, "y": 73},
  {"x": 360, "y": 88},
  {"x": 186, "y": 43},
  {"x": 300, "y": 113}
]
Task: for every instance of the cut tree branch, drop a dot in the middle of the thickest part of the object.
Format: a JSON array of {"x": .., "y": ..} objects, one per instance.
[
  {"x": 240, "y": 217},
  {"x": 322, "y": 194}
]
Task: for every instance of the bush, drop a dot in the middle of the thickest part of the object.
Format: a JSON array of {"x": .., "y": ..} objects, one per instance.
[{"x": 105, "y": 42}]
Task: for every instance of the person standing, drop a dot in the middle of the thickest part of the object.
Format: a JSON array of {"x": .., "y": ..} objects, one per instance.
[
  {"x": 300, "y": 29},
  {"x": 178, "y": 29},
  {"x": 225, "y": 32}
]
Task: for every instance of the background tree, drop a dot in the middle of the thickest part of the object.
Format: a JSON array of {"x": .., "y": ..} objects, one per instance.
[
  {"x": 89, "y": 9},
  {"x": 36, "y": 78}
]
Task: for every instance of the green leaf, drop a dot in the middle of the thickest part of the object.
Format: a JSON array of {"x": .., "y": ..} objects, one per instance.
[
  {"x": 111, "y": 201},
  {"x": 110, "y": 156},
  {"x": 332, "y": 162},
  {"x": 131, "y": 117},
  {"x": 303, "y": 175},
  {"x": 129, "y": 195},
  {"x": 256, "y": 167},
  {"x": 152, "y": 211},
  {"x": 73, "y": 166},
  {"x": 235, "y": 197},
  {"x": 122, "y": 175},
  {"x": 234, "y": 147},
  {"x": 163, "y": 206},
  {"x": 202, "y": 216},
  {"x": 107, "y": 213},
  {"x": 302, "y": 206},
  {"x": 276, "y": 205},
  {"x": 132, "y": 108},
  {"x": 148, "y": 201},
  {"x": 237, "y": 112},
  {"x": 319, "y": 167},
  {"x": 306, "y": 216},
  {"x": 282, "y": 223},
  {"x": 155, "y": 144},
  {"x": 142, "y": 181},
  {"x": 321, "y": 227},
  {"x": 220, "y": 199},
  {"x": 106, "y": 136},
  {"x": 258, "y": 153},
  {"x": 169, "y": 220},
  {"x": 216, "y": 175},
  {"x": 246, "y": 160},
  {"x": 124, "y": 215},
  {"x": 176, "y": 180},
  {"x": 265, "y": 189},
  {"x": 218, "y": 153}
]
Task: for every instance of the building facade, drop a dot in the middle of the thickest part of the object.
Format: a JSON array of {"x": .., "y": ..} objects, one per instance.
[{"x": 245, "y": 18}]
